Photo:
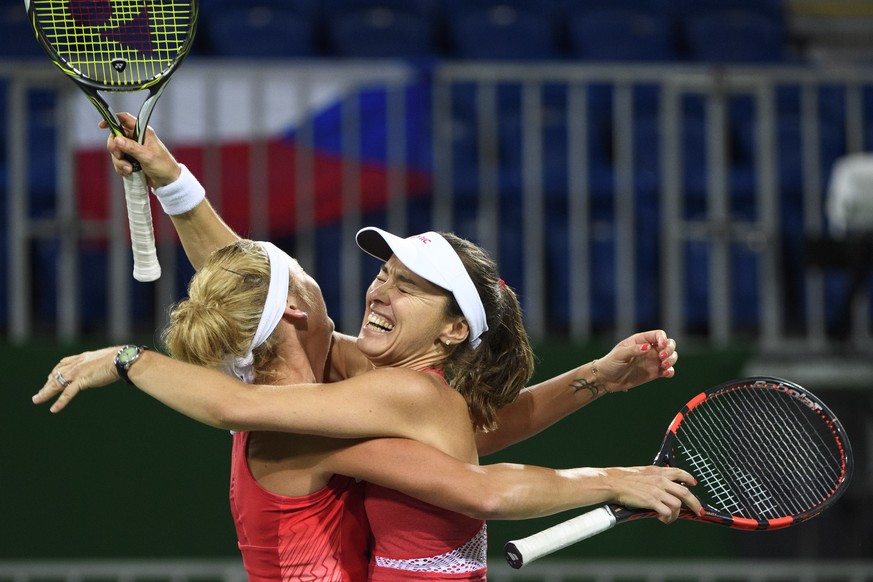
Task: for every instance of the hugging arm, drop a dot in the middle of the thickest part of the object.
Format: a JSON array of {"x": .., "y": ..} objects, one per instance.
[
  {"x": 635, "y": 360},
  {"x": 503, "y": 491},
  {"x": 364, "y": 406},
  {"x": 506, "y": 490}
]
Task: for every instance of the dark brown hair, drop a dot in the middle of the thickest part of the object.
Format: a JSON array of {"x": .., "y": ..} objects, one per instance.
[{"x": 491, "y": 375}]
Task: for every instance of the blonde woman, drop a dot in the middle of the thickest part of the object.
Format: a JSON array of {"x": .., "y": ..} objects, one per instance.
[{"x": 417, "y": 333}]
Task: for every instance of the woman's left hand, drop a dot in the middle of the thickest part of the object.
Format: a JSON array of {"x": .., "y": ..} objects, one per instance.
[
  {"x": 74, "y": 374},
  {"x": 636, "y": 360}
]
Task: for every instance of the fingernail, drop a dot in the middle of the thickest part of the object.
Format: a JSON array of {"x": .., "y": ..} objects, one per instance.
[
  {"x": 666, "y": 364},
  {"x": 663, "y": 355},
  {"x": 644, "y": 347}
]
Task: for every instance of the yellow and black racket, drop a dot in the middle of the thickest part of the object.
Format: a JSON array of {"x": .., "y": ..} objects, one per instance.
[{"x": 120, "y": 45}]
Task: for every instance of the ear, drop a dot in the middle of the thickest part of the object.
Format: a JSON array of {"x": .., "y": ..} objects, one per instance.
[
  {"x": 295, "y": 314},
  {"x": 455, "y": 332}
]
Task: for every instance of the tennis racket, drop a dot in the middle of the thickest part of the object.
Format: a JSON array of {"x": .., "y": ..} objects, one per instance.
[
  {"x": 120, "y": 45},
  {"x": 766, "y": 453}
]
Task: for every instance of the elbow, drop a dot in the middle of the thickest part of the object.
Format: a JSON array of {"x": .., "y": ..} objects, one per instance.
[
  {"x": 488, "y": 507},
  {"x": 492, "y": 504},
  {"x": 224, "y": 415}
]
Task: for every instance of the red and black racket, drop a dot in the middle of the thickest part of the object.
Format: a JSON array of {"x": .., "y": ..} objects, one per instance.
[
  {"x": 120, "y": 45},
  {"x": 767, "y": 454}
]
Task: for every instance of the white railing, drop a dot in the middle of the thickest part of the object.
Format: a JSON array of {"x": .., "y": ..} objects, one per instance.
[
  {"x": 545, "y": 571},
  {"x": 586, "y": 261}
]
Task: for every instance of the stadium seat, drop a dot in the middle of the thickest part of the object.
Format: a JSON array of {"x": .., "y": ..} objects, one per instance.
[
  {"x": 620, "y": 34},
  {"x": 260, "y": 30},
  {"x": 424, "y": 8},
  {"x": 17, "y": 39},
  {"x": 381, "y": 31},
  {"x": 773, "y": 9},
  {"x": 502, "y": 32},
  {"x": 733, "y": 36}
]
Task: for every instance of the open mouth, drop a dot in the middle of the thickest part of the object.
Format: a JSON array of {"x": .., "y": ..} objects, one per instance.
[{"x": 378, "y": 323}]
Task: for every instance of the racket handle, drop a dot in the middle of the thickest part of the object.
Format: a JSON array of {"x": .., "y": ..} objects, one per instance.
[
  {"x": 526, "y": 550},
  {"x": 142, "y": 233}
]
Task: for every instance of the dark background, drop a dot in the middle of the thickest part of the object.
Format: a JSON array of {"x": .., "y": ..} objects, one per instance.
[{"x": 119, "y": 475}]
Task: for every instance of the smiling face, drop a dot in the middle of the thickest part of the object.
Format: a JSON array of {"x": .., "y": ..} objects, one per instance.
[{"x": 405, "y": 322}]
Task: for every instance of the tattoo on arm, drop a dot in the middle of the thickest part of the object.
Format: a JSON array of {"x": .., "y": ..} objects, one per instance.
[
  {"x": 592, "y": 386},
  {"x": 583, "y": 384}
]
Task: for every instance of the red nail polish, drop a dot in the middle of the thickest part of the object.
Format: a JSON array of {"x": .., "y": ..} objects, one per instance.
[
  {"x": 644, "y": 347},
  {"x": 663, "y": 355}
]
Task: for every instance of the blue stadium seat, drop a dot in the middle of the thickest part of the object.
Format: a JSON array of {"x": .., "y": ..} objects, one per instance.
[
  {"x": 773, "y": 9},
  {"x": 93, "y": 286},
  {"x": 425, "y": 8},
  {"x": 381, "y": 31},
  {"x": 17, "y": 39},
  {"x": 734, "y": 36},
  {"x": 743, "y": 281},
  {"x": 620, "y": 34},
  {"x": 502, "y": 32},
  {"x": 260, "y": 30},
  {"x": 789, "y": 141}
]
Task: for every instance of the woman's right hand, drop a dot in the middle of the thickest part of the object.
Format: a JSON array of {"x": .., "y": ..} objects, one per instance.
[
  {"x": 159, "y": 165},
  {"x": 74, "y": 374},
  {"x": 660, "y": 489}
]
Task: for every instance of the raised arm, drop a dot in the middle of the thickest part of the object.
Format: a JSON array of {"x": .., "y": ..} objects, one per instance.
[
  {"x": 200, "y": 228},
  {"x": 634, "y": 361}
]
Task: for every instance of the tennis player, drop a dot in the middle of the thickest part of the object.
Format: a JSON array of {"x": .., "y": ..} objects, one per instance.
[{"x": 408, "y": 544}]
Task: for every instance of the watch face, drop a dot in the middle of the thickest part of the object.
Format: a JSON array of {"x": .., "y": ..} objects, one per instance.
[{"x": 127, "y": 354}]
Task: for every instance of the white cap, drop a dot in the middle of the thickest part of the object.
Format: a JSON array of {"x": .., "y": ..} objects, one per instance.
[{"x": 431, "y": 257}]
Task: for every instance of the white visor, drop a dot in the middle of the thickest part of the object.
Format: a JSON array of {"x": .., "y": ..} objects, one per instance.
[{"x": 431, "y": 257}]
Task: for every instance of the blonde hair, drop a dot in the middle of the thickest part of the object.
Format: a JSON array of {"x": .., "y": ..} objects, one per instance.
[
  {"x": 491, "y": 375},
  {"x": 220, "y": 316}
]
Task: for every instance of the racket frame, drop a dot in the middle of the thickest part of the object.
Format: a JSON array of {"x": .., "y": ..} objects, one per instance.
[
  {"x": 146, "y": 266},
  {"x": 523, "y": 551}
]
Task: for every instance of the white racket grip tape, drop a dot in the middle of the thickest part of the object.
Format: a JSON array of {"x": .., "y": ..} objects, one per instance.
[
  {"x": 526, "y": 550},
  {"x": 142, "y": 233}
]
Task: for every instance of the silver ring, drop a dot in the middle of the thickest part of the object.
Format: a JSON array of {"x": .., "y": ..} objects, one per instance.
[{"x": 61, "y": 380}]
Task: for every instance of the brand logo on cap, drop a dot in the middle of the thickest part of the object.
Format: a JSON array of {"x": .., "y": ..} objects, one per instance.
[{"x": 421, "y": 238}]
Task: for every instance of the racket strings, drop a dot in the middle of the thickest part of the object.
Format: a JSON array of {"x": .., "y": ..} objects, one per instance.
[
  {"x": 117, "y": 43},
  {"x": 760, "y": 452},
  {"x": 763, "y": 450},
  {"x": 708, "y": 476},
  {"x": 768, "y": 451}
]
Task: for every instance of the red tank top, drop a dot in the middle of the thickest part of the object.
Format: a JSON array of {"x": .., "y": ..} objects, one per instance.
[
  {"x": 413, "y": 540},
  {"x": 322, "y": 536}
]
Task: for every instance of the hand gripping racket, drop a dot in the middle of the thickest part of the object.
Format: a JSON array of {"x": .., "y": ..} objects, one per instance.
[
  {"x": 120, "y": 45},
  {"x": 766, "y": 453}
]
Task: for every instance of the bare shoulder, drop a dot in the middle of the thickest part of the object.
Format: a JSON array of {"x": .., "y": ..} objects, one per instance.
[{"x": 409, "y": 384}]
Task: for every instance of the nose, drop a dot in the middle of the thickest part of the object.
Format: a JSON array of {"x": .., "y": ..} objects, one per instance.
[{"x": 376, "y": 292}]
